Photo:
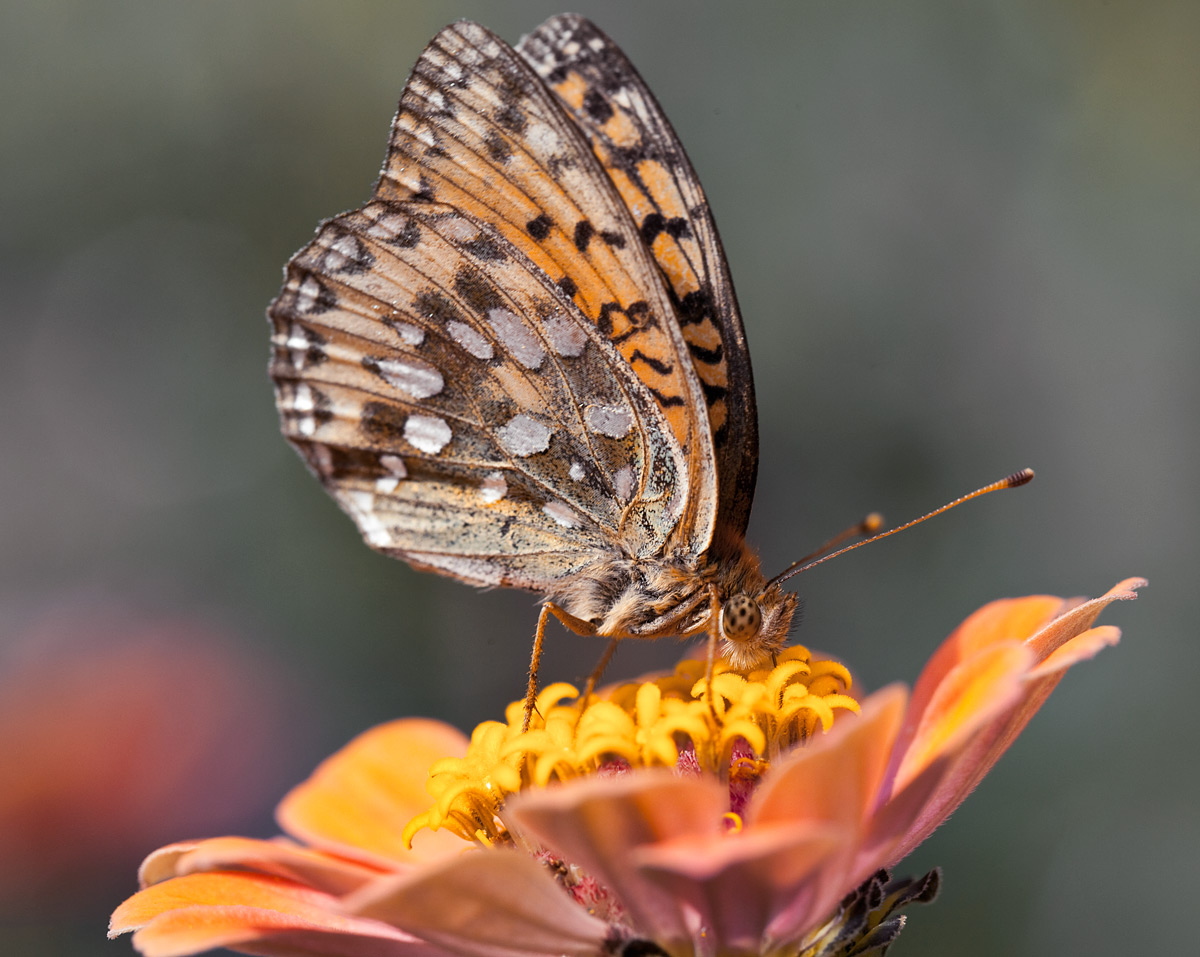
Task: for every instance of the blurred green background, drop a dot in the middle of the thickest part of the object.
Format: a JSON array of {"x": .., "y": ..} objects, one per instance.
[{"x": 966, "y": 239}]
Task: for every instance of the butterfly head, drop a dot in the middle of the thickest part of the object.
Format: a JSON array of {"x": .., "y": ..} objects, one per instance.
[{"x": 754, "y": 627}]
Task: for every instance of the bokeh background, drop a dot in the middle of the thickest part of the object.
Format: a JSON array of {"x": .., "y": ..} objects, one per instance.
[{"x": 966, "y": 239}]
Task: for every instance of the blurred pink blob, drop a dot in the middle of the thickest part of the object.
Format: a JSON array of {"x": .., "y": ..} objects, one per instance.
[{"x": 116, "y": 732}]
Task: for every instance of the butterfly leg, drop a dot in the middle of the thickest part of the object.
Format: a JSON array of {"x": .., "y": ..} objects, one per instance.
[
  {"x": 598, "y": 672},
  {"x": 713, "y": 628},
  {"x": 576, "y": 625}
]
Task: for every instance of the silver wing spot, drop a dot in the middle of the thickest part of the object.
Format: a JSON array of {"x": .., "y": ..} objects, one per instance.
[
  {"x": 524, "y": 436},
  {"x": 362, "y": 507},
  {"x": 308, "y": 296},
  {"x": 517, "y": 337},
  {"x": 493, "y": 488},
  {"x": 409, "y": 334},
  {"x": 419, "y": 379},
  {"x": 458, "y": 229},
  {"x": 470, "y": 339},
  {"x": 623, "y": 483},
  {"x": 611, "y": 420},
  {"x": 566, "y": 337},
  {"x": 427, "y": 433},
  {"x": 562, "y": 513},
  {"x": 394, "y": 464},
  {"x": 304, "y": 402}
]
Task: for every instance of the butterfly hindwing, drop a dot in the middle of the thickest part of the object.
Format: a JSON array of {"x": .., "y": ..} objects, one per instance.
[
  {"x": 631, "y": 136},
  {"x": 478, "y": 130},
  {"x": 461, "y": 408}
]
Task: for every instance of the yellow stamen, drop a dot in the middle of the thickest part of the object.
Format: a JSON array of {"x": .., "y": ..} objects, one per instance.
[{"x": 640, "y": 724}]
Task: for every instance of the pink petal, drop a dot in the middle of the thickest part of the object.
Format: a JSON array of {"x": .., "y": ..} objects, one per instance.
[
  {"x": 831, "y": 783},
  {"x": 316, "y": 869},
  {"x": 487, "y": 903},
  {"x": 737, "y": 882},
  {"x": 888, "y": 838},
  {"x": 255, "y": 914},
  {"x": 357, "y": 802},
  {"x": 596, "y": 823}
]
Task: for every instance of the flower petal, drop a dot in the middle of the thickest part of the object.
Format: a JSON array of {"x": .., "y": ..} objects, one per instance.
[
  {"x": 972, "y": 693},
  {"x": 1080, "y": 618},
  {"x": 737, "y": 882},
  {"x": 833, "y": 781},
  {"x": 1043, "y": 621},
  {"x": 256, "y": 914},
  {"x": 835, "y": 777},
  {"x": 487, "y": 903},
  {"x": 357, "y": 802},
  {"x": 1064, "y": 640},
  {"x": 316, "y": 869},
  {"x": 1080, "y": 648},
  {"x": 1006, "y": 620},
  {"x": 596, "y": 823}
]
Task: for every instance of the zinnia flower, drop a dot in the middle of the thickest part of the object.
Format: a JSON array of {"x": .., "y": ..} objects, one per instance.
[{"x": 654, "y": 820}]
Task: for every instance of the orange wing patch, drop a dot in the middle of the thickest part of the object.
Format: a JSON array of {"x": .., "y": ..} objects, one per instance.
[
  {"x": 645, "y": 162},
  {"x": 478, "y": 130}
]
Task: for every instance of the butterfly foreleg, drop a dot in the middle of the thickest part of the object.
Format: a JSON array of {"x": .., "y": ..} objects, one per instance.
[
  {"x": 576, "y": 625},
  {"x": 714, "y": 629},
  {"x": 598, "y": 672}
]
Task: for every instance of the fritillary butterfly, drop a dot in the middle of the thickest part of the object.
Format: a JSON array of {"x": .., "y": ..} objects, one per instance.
[{"x": 521, "y": 362}]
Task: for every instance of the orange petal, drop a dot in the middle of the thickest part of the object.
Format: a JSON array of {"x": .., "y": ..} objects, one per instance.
[
  {"x": 321, "y": 871},
  {"x": 1080, "y": 618},
  {"x": 357, "y": 802},
  {"x": 597, "y": 822},
  {"x": 836, "y": 777},
  {"x": 488, "y": 903},
  {"x": 1061, "y": 642},
  {"x": 972, "y": 693},
  {"x": 1009, "y": 619},
  {"x": 160, "y": 864},
  {"x": 1080, "y": 648},
  {"x": 256, "y": 914}
]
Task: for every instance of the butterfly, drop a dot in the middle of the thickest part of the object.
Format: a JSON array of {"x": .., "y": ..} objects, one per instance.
[{"x": 522, "y": 363}]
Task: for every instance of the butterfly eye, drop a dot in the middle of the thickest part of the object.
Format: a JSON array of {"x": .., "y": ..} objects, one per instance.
[{"x": 741, "y": 617}]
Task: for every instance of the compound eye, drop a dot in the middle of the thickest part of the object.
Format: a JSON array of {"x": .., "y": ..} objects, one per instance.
[{"x": 741, "y": 617}]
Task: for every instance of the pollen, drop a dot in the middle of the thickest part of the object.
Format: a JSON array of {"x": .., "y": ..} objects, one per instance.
[{"x": 755, "y": 716}]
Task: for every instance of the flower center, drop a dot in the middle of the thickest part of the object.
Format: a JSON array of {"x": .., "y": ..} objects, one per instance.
[{"x": 755, "y": 716}]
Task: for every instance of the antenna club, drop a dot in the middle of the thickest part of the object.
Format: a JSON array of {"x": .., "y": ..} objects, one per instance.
[
  {"x": 1023, "y": 477},
  {"x": 872, "y": 523}
]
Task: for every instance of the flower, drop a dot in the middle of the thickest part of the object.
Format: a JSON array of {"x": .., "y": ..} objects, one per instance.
[
  {"x": 117, "y": 730},
  {"x": 755, "y": 824}
]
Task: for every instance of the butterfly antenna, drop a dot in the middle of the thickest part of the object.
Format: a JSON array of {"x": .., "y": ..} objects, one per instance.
[
  {"x": 868, "y": 526},
  {"x": 804, "y": 564}
]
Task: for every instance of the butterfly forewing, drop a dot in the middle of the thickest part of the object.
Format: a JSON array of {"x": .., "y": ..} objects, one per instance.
[
  {"x": 477, "y": 129},
  {"x": 630, "y": 134},
  {"x": 461, "y": 408},
  {"x": 522, "y": 362}
]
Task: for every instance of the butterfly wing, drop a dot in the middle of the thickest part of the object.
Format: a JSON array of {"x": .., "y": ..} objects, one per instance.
[
  {"x": 645, "y": 161},
  {"x": 461, "y": 408},
  {"x": 478, "y": 130}
]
